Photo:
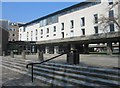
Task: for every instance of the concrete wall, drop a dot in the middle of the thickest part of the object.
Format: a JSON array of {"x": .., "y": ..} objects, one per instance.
[{"x": 3, "y": 40}]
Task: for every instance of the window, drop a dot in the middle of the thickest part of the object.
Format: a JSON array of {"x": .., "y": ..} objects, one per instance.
[
  {"x": 47, "y": 35},
  {"x": 82, "y": 21},
  {"x": 27, "y": 39},
  {"x": 41, "y": 31},
  {"x": 10, "y": 29},
  {"x": 47, "y": 30},
  {"x": 110, "y": 2},
  {"x": 36, "y": 38},
  {"x": 27, "y": 34},
  {"x": 31, "y": 33},
  {"x": 96, "y": 29},
  {"x": 54, "y": 28},
  {"x": 72, "y": 24},
  {"x": 13, "y": 29},
  {"x": 20, "y": 36},
  {"x": 111, "y": 13},
  {"x": 62, "y": 34},
  {"x": 83, "y": 31},
  {"x": 13, "y": 35},
  {"x": 41, "y": 36},
  {"x": 62, "y": 26},
  {"x": 54, "y": 34},
  {"x": 36, "y": 31},
  {"x": 111, "y": 27},
  {"x": 24, "y": 29},
  {"x": 96, "y": 18}
]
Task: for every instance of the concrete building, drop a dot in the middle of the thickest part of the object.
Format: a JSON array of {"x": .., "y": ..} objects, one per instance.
[
  {"x": 70, "y": 26},
  {"x": 13, "y": 29},
  {"x": 3, "y": 40}
]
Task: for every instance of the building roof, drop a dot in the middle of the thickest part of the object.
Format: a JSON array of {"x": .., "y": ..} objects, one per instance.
[{"x": 58, "y": 12}]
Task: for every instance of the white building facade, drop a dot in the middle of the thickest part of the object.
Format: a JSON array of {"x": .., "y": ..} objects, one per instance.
[{"x": 79, "y": 20}]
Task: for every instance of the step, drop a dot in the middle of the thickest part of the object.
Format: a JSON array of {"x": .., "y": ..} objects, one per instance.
[
  {"x": 87, "y": 73},
  {"x": 90, "y": 69},
  {"x": 48, "y": 81},
  {"x": 82, "y": 77}
]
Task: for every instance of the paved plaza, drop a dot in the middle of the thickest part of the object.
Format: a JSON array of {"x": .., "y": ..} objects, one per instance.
[{"x": 90, "y": 59}]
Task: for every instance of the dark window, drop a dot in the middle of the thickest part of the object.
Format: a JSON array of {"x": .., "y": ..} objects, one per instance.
[
  {"x": 110, "y": 2},
  {"x": 41, "y": 36},
  {"x": 54, "y": 28},
  {"x": 13, "y": 34},
  {"x": 83, "y": 31},
  {"x": 24, "y": 29},
  {"x": 83, "y": 21},
  {"x": 36, "y": 31},
  {"x": 72, "y": 24},
  {"x": 41, "y": 31},
  {"x": 111, "y": 13},
  {"x": 62, "y": 26},
  {"x": 47, "y": 35},
  {"x": 62, "y": 34},
  {"x": 47, "y": 30},
  {"x": 96, "y": 29},
  {"x": 54, "y": 34},
  {"x": 96, "y": 18},
  {"x": 111, "y": 27}
]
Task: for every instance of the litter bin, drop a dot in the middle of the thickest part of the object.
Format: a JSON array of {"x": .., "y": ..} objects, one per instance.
[{"x": 73, "y": 57}]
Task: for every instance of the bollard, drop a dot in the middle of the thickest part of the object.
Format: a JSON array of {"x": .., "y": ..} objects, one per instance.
[
  {"x": 40, "y": 56},
  {"x": 12, "y": 54},
  {"x": 23, "y": 55}
]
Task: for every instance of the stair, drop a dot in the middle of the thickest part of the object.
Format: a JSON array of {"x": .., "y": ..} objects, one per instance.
[{"x": 55, "y": 74}]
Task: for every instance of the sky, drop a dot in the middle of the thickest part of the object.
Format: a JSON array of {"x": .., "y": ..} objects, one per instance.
[{"x": 28, "y": 11}]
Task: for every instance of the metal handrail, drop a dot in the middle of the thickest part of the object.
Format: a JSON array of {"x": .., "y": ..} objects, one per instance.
[{"x": 45, "y": 61}]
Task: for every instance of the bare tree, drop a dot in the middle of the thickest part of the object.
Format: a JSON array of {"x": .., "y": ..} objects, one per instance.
[{"x": 106, "y": 21}]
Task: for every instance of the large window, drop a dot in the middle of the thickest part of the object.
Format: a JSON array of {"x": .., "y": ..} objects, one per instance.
[
  {"x": 72, "y": 24},
  {"x": 54, "y": 28},
  {"x": 83, "y": 21},
  {"x": 83, "y": 31},
  {"x": 62, "y": 26},
  {"x": 41, "y": 31},
  {"x": 111, "y": 16},
  {"x": 95, "y": 18},
  {"x": 96, "y": 29},
  {"x": 47, "y": 30}
]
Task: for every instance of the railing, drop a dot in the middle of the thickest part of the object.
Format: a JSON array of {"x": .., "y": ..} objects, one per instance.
[{"x": 45, "y": 61}]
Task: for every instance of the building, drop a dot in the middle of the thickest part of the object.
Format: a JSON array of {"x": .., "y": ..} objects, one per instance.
[
  {"x": 73, "y": 25},
  {"x": 3, "y": 40},
  {"x": 13, "y": 29}
]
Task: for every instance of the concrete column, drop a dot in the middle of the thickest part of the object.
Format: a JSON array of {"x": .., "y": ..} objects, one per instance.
[
  {"x": 55, "y": 49},
  {"x": 86, "y": 48},
  {"x": 40, "y": 56},
  {"x": 73, "y": 56},
  {"x": 23, "y": 55},
  {"x": 12, "y": 54},
  {"x": 46, "y": 49},
  {"x": 3, "y": 53},
  {"x": 119, "y": 47},
  {"x": 109, "y": 48}
]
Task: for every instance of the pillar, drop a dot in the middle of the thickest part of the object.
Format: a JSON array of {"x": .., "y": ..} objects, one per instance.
[
  {"x": 12, "y": 54},
  {"x": 86, "y": 48},
  {"x": 46, "y": 50},
  {"x": 119, "y": 47},
  {"x": 109, "y": 48},
  {"x": 3, "y": 53},
  {"x": 73, "y": 56},
  {"x": 55, "y": 49},
  {"x": 23, "y": 55}
]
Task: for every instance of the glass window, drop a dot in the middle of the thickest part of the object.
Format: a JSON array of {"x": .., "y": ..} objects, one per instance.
[
  {"x": 110, "y": 2},
  {"x": 83, "y": 21},
  {"x": 47, "y": 35},
  {"x": 95, "y": 18},
  {"x": 96, "y": 29},
  {"x": 41, "y": 31},
  {"x": 62, "y": 26},
  {"x": 54, "y": 34},
  {"x": 72, "y": 24},
  {"x": 111, "y": 13},
  {"x": 54, "y": 28},
  {"x": 83, "y": 31},
  {"x": 36, "y": 31},
  {"x": 47, "y": 30},
  {"x": 111, "y": 27}
]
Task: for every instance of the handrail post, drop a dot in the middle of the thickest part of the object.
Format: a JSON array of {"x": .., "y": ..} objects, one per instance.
[{"x": 32, "y": 72}]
